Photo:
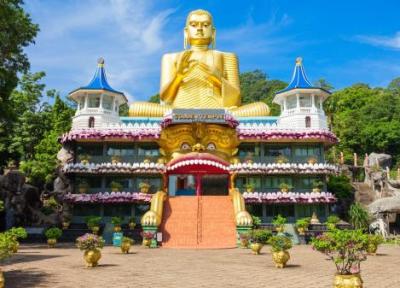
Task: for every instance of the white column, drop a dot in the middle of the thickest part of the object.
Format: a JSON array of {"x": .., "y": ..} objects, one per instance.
[
  {"x": 101, "y": 101},
  {"x": 86, "y": 101},
  {"x": 284, "y": 104},
  {"x": 298, "y": 102}
]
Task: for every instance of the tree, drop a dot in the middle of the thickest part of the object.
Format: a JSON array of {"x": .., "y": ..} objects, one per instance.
[
  {"x": 16, "y": 32},
  {"x": 155, "y": 98},
  {"x": 323, "y": 84}
]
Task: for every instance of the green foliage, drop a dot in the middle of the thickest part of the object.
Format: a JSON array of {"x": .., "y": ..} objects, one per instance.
[
  {"x": 1, "y": 205},
  {"x": 333, "y": 219},
  {"x": 322, "y": 83},
  {"x": 256, "y": 221},
  {"x": 7, "y": 243},
  {"x": 53, "y": 233},
  {"x": 16, "y": 32},
  {"x": 359, "y": 217},
  {"x": 124, "y": 110},
  {"x": 117, "y": 221},
  {"x": 340, "y": 186},
  {"x": 303, "y": 222},
  {"x": 318, "y": 184},
  {"x": 155, "y": 98},
  {"x": 279, "y": 221},
  {"x": 375, "y": 239},
  {"x": 285, "y": 186},
  {"x": 17, "y": 233},
  {"x": 89, "y": 242},
  {"x": 132, "y": 220},
  {"x": 260, "y": 235},
  {"x": 280, "y": 243},
  {"x": 346, "y": 248},
  {"x": 127, "y": 239},
  {"x": 93, "y": 221},
  {"x": 255, "y": 86},
  {"x": 116, "y": 186}
]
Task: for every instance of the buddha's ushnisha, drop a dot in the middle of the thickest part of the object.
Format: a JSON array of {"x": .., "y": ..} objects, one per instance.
[{"x": 199, "y": 76}]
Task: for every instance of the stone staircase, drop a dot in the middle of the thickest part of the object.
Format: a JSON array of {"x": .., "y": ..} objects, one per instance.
[
  {"x": 364, "y": 194},
  {"x": 204, "y": 222}
]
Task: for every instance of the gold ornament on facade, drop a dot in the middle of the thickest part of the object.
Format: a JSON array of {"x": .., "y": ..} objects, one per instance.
[{"x": 199, "y": 77}]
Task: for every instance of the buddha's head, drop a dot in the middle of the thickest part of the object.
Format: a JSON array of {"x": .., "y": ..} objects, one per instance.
[{"x": 199, "y": 28}]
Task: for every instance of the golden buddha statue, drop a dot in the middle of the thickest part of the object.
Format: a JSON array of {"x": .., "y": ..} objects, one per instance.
[{"x": 199, "y": 77}]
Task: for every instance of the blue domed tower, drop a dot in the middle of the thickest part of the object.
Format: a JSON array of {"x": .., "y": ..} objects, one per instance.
[
  {"x": 301, "y": 102},
  {"x": 98, "y": 103}
]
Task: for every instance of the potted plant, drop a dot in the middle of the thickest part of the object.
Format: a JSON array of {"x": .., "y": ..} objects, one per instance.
[
  {"x": 15, "y": 234},
  {"x": 115, "y": 159},
  {"x": 83, "y": 187},
  {"x": 281, "y": 159},
  {"x": 93, "y": 223},
  {"x": 132, "y": 223},
  {"x": 7, "y": 244},
  {"x": 249, "y": 187},
  {"x": 126, "y": 244},
  {"x": 359, "y": 217},
  {"x": 331, "y": 222},
  {"x": 279, "y": 246},
  {"x": 302, "y": 225},
  {"x": 317, "y": 186},
  {"x": 147, "y": 238},
  {"x": 84, "y": 158},
  {"x": 91, "y": 244},
  {"x": 279, "y": 223},
  {"x": 144, "y": 187},
  {"x": 285, "y": 187},
  {"x": 116, "y": 221},
  {"x": 66, "y": 222},
  {"x": 116, "y": 186},
  {"x": 312, "y": 160},
  {"x": 374, "y": 240},
  {"x": 52, "y": 234},
  {"x": 244, "y": 239},
  {"x": 256, "y": 221},
  {"x": 259, "y": 237},
  {"x": 347, "y": 249}
]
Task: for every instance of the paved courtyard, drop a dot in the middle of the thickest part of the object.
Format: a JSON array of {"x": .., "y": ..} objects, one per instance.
[{"x": 38, "y": 266}]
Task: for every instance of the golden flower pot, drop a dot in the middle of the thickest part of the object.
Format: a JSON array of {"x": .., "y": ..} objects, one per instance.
[
  {"x": 249, "y": 190},
  {"x": 372, "y": 249},
  {"x": 83, "y": 190},
  {"x": 125, "y": 247},
  {"x": 95, "y": 229},
  {"x": 348, "y": 281},
  {"x": 280, "y": 229},
  {"x": 2, "y": 280},
  {"x": 92, "y": 257},
  {"x": 256, "y": 248},
  {"x": 316, "y": 190},
  {"x": 132, "y": 225},
  {"x": 280, "y": 258},
  {"x": 147, "y": 242},
  {"x": 301, "y": 230},
  {"x": 65, "y": 225},
  {"x": 244, "y": 243},
  {"x": 284, "y": 190},
  {"x": 144, "y": 190},
  {"x": 51, "y": 242},
  {"x": 117, "y": 228},
  {"x": 15, "y": 247}
]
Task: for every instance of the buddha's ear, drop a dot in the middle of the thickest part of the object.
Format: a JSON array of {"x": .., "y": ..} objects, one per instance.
[
  {"x": 214, "y": 38},
  {"x": 185, "y": 39}
]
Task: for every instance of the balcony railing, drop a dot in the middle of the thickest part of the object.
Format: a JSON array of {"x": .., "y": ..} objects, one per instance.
[
  {"x": 277, "y": 159},
  {"x": 122, "y": 159}
]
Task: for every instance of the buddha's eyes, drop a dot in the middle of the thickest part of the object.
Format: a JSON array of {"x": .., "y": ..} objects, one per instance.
[
  {"x": 211, "y": 146},
  {"x": 185, "y": 146}
]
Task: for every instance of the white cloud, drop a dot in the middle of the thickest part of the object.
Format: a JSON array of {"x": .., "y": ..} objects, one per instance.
[{"x": 383, "y": 41}]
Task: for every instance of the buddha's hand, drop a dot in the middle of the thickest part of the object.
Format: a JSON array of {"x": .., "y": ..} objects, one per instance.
[
  {"x": 183, "y": 64},
  {"x": 243, "y": 218},
  {"x": 149, "y": 218}
]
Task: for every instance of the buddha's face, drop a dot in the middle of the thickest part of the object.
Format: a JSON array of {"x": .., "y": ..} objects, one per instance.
[{"x": 199, "y": 29}]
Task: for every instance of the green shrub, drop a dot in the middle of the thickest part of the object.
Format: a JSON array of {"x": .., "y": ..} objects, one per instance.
[
  {"x": 332, "y": 219},
  {"x": 280, "y": 243},
  {"x": 359, "y": 217},
  {"x": 279, "y": 221},
  {"x": 53, "y": 233},
  {"x": 93, "y": 221},
  {"x": 303, "y": 222},
  {"x": 7, "y": 242},
  {"x": 256, "y": 221},
  {"x": 17, "y": 233},
  {"x": 116, "y": 221},
  {"x": 260, "y": 235},
  {"x": 340, "y": 186}
]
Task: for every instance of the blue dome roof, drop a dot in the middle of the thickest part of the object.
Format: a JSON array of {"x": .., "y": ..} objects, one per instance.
[
  {"x": 299, "y": 78},
  {"x": 99, "y": 80}
]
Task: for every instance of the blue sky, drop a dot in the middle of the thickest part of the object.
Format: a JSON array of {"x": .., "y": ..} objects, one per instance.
[{"x": 342, "y": 41}]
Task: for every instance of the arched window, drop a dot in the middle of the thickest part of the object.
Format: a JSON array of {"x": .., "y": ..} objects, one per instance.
[
  {"x": 91, "y": 122},
  {"x": 308, "y": 121}
]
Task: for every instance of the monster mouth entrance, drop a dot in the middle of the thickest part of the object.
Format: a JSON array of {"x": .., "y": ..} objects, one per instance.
[{"x": 198, "y": 174}]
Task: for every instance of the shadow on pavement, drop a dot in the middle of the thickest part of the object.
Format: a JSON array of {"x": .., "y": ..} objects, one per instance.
[{"x": 24, "y": 278}]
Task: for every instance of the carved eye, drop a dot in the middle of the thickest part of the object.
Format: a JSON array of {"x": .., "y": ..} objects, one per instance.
[
  {"x": 211, "y": 146},
  {"x": 185, "y": 146}
]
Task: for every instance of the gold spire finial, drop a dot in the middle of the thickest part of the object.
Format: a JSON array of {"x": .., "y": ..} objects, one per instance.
[
  {"x": 299, "y": 60},
  {"x": 100, "y": 62}
]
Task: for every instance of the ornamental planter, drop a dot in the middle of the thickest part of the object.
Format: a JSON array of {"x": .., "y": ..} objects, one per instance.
[
  {"x": 284, "y": 190},
  {"x": 145, "y": 189},
  {"x": 52, "y": 242},
  {"x": 316, "y": 190},
  {"x": 146, "y": 242},
  {"x": 115, "y": 159},
  {"x": 249, "y": 190},
  {"x": 117, "y": 228},
  {"x": 132, "y": 225},
  {"x": 83, "y": 190},
  {"x": 65, "y": 225},
  {"x": 280, "y": 258},
  {"x": 244, "y": 243},
  {"x": 92, "y": 257},
  {"x": 125, "y": 247},
  {"x": 2, "y": 280},
  {"x": 15, "y": 247},
  {"x": 371, "y": 250},
  {"x": 256, "y": 248},
  {"x": 95, "y": 229},
  {"x": 301, "y": 231},
  {"x": 348, "y": 281},
  {"x": 280, "y": 229}
]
